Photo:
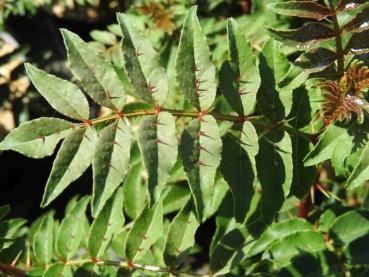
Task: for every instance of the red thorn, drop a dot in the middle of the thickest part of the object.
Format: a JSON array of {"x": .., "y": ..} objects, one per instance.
[
  {"x": 201, "y": 133},
  {"x": 200, "y": 163},
  {"x": 41, "y": 137},
  {"x": 242, "y": 118},
  {"x": 119, "y": 115},
  {"x": 130, "y": 265},
  {"x": 196, "y": 68},
  {"x": 138, "y": 53},
  {"x": 202, "y": 114},
  {"x": 201, "y": 148},
  {"x": 157, "y": 109},
  {"x": 94, "y": 260},
  {"x": 87, "y": 122}
]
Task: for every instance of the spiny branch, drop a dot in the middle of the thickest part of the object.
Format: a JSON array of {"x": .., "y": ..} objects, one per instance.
[{"x": 257, "y": 120}]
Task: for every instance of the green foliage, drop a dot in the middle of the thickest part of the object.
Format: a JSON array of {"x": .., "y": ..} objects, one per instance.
[{"x": 239, "y": 155}]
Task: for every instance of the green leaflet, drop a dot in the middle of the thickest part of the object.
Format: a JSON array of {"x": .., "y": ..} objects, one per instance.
[
  {"x": 74, "y": 157},
  {"x": 96, "y": 74},
  {"x": 279, "y": 231},
  {"x": 195, "y": 72},
  {"x": 239, "y": 172},
  {"x": 228, "y": 251},
  {"x": 63, "y": 96},
  {"x": 307, "y": 36},
  {"x": 43, "y": 243},
  {"x": 58, "y": 269},
  {"x": 360, "y": 174},
  {"x": 321, "y": 263},
  {"x": 349, "y": 227},
  {"x": 300, "y": 116},
  {"x": 110, "y": 162},
  {"x": 359, "y": 43},
  {"x": 181, "y": 235},
  {"x": 159, "y": 147},
  {"x": 107, "y": 223},
  {"x": 240, "y": 80},
  {"x": 273, "y": 66},
  {"x": 142, "y": 64},
  {"x": 360, "y": 23},
  {"x": 134, "y": 191},
  {"x": 284, "y": 249},
  {"x": 4, "y": 211},
  {"x": 274, "y": 168},
  {"x": 200, "y": 150},
  {"x": 146, "y": 230},
  {"x": 37, "y": 138},
  {"x": 104, "y": 37},
  {"x": 316, "y": 60},
  {"x": 323, "y": 150},
  {"x": 69, "y": 235},
  {"x": 304, "y": 9}
]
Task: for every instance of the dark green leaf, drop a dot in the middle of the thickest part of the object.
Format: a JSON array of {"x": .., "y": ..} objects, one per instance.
[
  {"x": 159, "y": 147},
  {"x": 345, "y": 5},
  {"x": 349, "y": 227},
  {"x": 200, "y": 150},
  {"x": 134, "y": 192},
  {"x": 110, "y": 162},
  {"x": 37, "y": 138},
  {"x": 58, "y": 270},
  {"x": 63, "y": 96},
  {"x": 43, "y": 243},
  {"x": 306, "y": 36},
  {"x": 239, "y": 172},
  {"x": 107, "y": 223},
  {"x": 74, "y": 157},
  {"x": 274, "y": 167},
  {"x": 277, "y": 232},
  {"x": 146, "y": 230},
  {"x": 360, "y": 23},
  {"x": 316, "y": 60},
  {"x": 359, "y": 43},
  {"x": 195, "y": 71},
  {"x": 181, "y": 236},
  {"x": 304, "y": 241},
  {"x": 360, "y": 174},
  {"x": 142, "y": 64},
  {"x": 323, "y": 150},
  {"x": 96, "y": 74},
  {"x": 69, "y": 235},
  {"x": 305, "y": 9},
  {"x": 240, "y": 80},
  {"x": 4, "y": 211}
]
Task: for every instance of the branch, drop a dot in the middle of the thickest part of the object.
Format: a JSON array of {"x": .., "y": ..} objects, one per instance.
[
  {"x": 12, "y": 271},
  {"x": 257, "y": 120},
  {"x": 340, "y": 52}
]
